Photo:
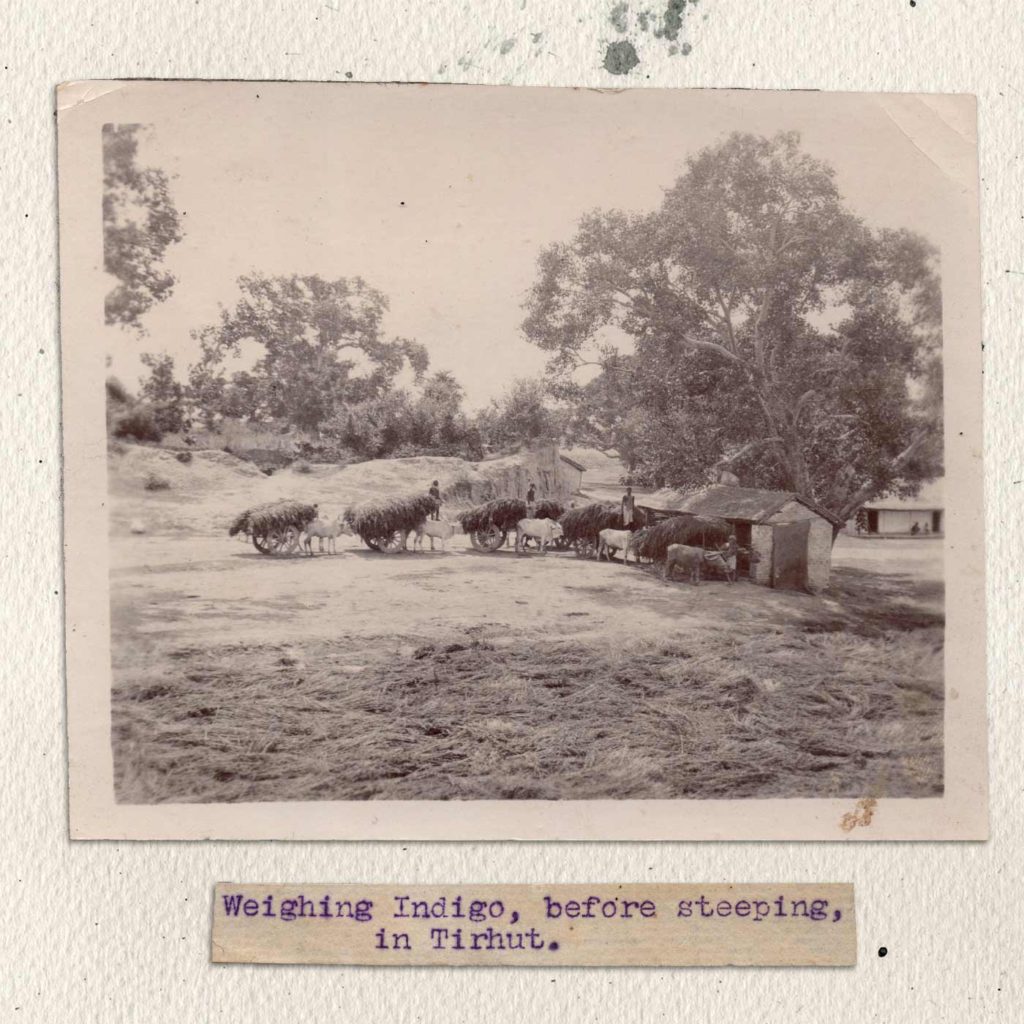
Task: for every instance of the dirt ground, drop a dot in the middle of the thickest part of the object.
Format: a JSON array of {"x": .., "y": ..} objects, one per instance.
[{"x": 459, "y": 675}]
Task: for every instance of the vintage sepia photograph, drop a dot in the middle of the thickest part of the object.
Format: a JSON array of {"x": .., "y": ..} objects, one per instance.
[{"x": 485, "y": 462}]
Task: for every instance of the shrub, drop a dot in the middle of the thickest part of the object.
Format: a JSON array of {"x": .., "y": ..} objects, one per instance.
[
  {"x": 184, "y": 457},
  {"x": 156, "y": 483},
  {"x": 408, "y": 450},
  {"x": 138, "y": 423},
  {"x": 117, "y": 393}
]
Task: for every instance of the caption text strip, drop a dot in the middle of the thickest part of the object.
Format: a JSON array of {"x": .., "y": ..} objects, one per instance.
[{"x": 535, "y": 925}]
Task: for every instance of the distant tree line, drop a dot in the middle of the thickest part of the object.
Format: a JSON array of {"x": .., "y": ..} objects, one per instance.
[
  {"x": 769, "y": 332},
  {"x": 321, "y": 367}
]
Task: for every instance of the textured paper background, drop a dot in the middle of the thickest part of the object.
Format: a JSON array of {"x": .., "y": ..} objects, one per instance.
[{"x": 948, "y": 914}]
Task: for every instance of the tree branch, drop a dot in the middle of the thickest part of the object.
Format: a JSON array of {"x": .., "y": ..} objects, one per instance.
[
  {"x": 726, "y": 317},
  {"x": 800, "y": 403},
  {"x": 869, "y": 489},
  {"x": 711, "y": 346},
  {"x": 747, "y": 449}
]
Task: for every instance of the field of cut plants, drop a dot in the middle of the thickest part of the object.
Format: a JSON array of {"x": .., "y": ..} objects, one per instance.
[{"x": 465, "y": 675}]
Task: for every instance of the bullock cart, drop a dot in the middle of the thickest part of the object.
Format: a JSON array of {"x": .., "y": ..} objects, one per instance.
[
  {"x": 274, "y": 527},
  {"x": 583, "y": 526},
  {"x": 386, "y": 525},
  {"x": 489, "y": 525},
  {"x": 695, "y": 531}
]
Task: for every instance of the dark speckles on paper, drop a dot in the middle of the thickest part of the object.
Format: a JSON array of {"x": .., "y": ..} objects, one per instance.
[
  {"x": 618, "y": 17},
  {"x": 665, "y": 21},
  {"x": 507, "y": 46},
  {"x": 672, "y": 20},
  {"x": 620, "y": 58}
]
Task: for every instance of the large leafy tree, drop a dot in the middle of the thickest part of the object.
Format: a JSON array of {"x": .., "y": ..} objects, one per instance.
[
  {"x": 522, "y": 415},
  {"x": 770, "y": 330},
  {"x": 321, "y": 348},
  {"x": 139, "y": 224},
  {"x": 164, "y": 393}
]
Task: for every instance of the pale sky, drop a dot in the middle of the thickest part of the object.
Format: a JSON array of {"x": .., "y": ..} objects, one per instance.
[{"x": 442, "y": 196}]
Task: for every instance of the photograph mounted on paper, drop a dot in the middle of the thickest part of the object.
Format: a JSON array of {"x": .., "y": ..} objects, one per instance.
[{"x": 454, "y": 462}]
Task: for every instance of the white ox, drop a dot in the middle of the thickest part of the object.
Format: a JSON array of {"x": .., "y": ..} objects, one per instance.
[
  {"x": 610, "y": 541},
  {"x": 328, "y": 531},
  {"x": 544, "y": 531},
  {"x": 435, "y": 529}
]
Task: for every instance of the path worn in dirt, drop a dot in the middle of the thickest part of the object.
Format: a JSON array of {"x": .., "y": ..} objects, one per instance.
[{"x": 207, "y": 589}]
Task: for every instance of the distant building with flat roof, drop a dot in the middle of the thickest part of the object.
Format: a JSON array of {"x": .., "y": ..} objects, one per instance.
[{"x": 897, "y": 517}]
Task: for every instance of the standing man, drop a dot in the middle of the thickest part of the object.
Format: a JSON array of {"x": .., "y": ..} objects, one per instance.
[
  {"x": 435, "y": 493},
  {"x": 531, "y": 501},
  {"x": 628, "y": 509},
  {"x": 730, "y": 549}
]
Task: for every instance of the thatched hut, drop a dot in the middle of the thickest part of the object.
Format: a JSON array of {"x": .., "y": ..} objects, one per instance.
[{"x": 789, "y": 533}]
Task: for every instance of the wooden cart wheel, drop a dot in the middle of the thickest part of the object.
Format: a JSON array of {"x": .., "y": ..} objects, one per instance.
[
  {"x": 585, "y": 548},
  {"x": 394, "y": 543},
  {"x": 489, "y": 539},
  {"x": 277, "y": 541},
  {"x": 389, "y": 545},
  {"x": 268, "y": 542}
]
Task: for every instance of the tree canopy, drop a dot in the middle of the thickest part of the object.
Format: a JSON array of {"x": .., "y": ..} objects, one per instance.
[
  {"x": 768, "y": 330},
  {"x": 139, "y": 224},
  {"x": 163, "y": 393},
  {"x": 321, "y": 348},
  {"x": 522, "y": 415}
]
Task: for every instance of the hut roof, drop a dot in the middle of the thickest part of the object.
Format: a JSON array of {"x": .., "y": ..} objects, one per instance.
[
  {"x": 573, "y": 463},
  {"x": 747, "y": 504}
]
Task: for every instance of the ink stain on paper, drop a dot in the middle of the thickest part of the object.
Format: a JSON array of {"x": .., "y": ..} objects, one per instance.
[
  {"x": 664, "y": 23},
  {"x": 619, "y": 17},
  {"x": 861, "y": 815},
  {"x": 620, "y": 58}
]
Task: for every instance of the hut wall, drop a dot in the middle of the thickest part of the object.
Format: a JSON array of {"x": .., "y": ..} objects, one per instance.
[
  {"x": 761, "y": 537},
  {"x": 900, "y": 520},
  {"x": 819, "y": 555},
  {"x": 511, "y": 475},
  {"x": 819, "y": 542},
  {"x": 572, "y": 476}
]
